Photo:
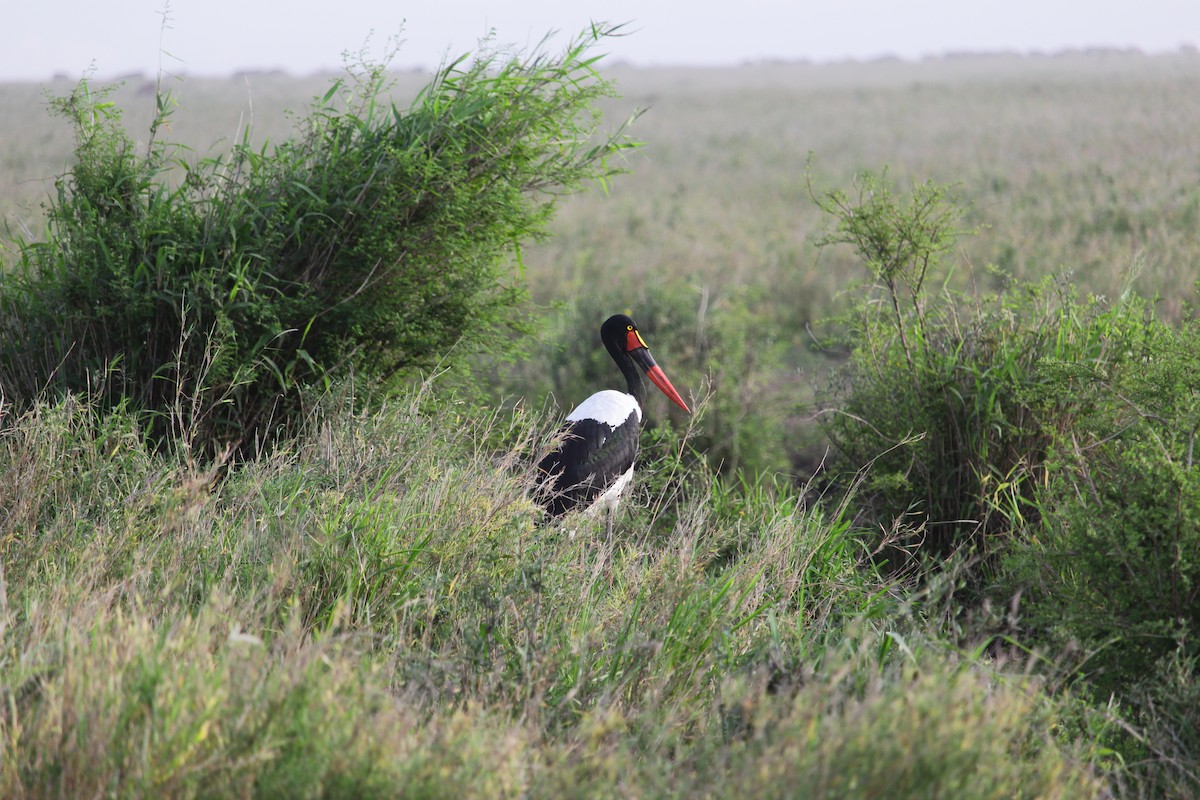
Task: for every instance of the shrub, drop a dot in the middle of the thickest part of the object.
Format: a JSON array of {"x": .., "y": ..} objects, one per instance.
[
  {"x": 1113, "y": 566},
  {"x": 945, "y": 397},
  {"x": 377, "y": 244},
  {"x": 1111, "y": 578}
]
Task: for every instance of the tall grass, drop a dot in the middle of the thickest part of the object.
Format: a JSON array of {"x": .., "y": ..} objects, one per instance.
[
  {"x": 374, "y": 606},
  {"x": 374, "y": 611}
]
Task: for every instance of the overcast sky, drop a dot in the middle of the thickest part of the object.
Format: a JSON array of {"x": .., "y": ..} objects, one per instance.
[{"x": 217, "y": 37}]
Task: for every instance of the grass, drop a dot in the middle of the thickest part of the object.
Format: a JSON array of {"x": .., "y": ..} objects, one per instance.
[
  {"x": 1076, "y": 161},
  {"x": 1071, "y": 162},
  {"x": 375, "y": 612}
]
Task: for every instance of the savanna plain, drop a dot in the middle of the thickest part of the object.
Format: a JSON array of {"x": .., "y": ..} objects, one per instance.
[{"x": 933, "y": 529}]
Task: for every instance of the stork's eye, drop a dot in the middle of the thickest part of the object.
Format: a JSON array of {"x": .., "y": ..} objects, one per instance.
[{"x": 628, "y": 327}]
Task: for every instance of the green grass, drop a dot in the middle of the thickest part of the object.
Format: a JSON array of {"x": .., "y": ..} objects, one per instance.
[
  {"x": 373, "y": 609},
  {"x": 375, "y": 612}
]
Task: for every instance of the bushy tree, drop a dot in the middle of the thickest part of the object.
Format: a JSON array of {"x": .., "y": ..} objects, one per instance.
[{"x": 377, "y": 243}]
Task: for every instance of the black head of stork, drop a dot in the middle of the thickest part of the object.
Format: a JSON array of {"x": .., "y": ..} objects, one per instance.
[{"x": 594, "y": 464}]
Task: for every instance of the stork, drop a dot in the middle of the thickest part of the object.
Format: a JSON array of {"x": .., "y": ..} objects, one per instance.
[{"x": 594, "y": 463}]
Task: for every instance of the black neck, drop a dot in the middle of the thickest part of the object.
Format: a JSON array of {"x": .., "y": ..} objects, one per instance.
[{"x": 633, "y": 376}]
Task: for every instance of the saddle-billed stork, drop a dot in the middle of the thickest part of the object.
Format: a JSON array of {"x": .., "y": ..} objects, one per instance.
[{"x": 594, "y": 463}]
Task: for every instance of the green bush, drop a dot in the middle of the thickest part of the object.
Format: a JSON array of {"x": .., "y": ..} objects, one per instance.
[
  {"x": 1110, "y": 577},
  {"x": 377, "y": 244},
  {"x": 1053, "y": 439},
  {"x": 1114, "y": 564},
  {"x": 944, "y": 401}
]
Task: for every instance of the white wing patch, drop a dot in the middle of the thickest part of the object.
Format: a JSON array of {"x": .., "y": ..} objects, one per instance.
[{"x": 609, "y": 406}]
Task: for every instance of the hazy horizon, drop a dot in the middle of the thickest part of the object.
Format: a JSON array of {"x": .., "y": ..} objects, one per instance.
[{"x": 223, "y": 37}]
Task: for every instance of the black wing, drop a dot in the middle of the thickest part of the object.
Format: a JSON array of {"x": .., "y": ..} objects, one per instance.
[{"x": 592, "y": 456}]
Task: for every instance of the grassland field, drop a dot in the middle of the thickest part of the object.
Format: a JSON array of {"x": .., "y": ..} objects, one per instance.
[
  {"x": 1079, "y": 164},
  {"x": 370, "y": 611},
  {"x": 1084, "y": 162}
]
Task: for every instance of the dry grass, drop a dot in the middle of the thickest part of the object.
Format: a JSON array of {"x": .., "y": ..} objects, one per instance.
[{"x": 1078, "y": 163}]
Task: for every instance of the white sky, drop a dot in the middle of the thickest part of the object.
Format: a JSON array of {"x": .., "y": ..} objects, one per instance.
[{"x": 217, "y": 37}]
